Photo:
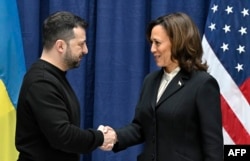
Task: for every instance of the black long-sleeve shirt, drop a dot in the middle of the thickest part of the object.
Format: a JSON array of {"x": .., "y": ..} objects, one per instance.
[{"x": 48, "y": 118}]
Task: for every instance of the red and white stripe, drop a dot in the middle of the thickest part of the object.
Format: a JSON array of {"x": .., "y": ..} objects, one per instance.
[{"x": 235, "y": 107}]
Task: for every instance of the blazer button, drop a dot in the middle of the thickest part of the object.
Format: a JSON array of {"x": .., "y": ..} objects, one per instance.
[
  {"x": 153, "y": 139},
  {"x": 153, "y": 157}
]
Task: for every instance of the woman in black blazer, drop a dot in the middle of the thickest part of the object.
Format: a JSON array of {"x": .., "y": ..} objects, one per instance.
[{"x": 184, "y": 123}]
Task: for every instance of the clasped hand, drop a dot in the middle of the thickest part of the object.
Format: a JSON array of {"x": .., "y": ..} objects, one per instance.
[{"x": 110, "y": 137}]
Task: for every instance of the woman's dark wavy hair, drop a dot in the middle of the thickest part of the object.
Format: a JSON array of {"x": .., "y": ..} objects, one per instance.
[
  {"x": 185, "y": 38},
  {"x": 60, "y": 26}
]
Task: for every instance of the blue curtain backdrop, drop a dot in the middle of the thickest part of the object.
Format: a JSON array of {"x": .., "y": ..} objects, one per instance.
[{"x": 109, "y": 79}]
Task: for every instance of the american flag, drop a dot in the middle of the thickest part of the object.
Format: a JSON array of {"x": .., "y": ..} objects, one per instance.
[{"x": 226, "y": 45}]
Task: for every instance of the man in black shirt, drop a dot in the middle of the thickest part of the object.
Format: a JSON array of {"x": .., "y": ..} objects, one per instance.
[{"x": 48, "y": 118}]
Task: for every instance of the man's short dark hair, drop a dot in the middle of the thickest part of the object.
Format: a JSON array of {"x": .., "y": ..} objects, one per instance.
[{"x": 60, "y": 26}]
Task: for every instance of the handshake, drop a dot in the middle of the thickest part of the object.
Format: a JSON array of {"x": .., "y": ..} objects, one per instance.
[{"x": 110, "y": 137}]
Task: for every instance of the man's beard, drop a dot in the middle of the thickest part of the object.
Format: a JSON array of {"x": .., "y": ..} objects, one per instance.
[{"x": 70, "y": 61}]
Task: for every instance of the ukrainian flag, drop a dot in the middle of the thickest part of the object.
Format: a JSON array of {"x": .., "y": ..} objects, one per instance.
[{"x": 12, "y": 69}]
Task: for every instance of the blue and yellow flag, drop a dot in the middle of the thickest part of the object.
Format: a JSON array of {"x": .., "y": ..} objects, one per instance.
[{"x": 12, "y": 69}]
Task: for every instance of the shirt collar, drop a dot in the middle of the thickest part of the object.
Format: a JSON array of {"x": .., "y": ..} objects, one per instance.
[{"x": 169, "y": 76}]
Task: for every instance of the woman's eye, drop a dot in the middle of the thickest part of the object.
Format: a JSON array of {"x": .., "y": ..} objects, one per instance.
[
  {"x": 154, "y": 42},
  {"x": 157, "y": 43}
]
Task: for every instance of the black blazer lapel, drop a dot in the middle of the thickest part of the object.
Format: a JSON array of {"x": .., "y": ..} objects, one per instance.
[
  {"x": 176, "y": 84},
  {"x": 156, "y": 87}
]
